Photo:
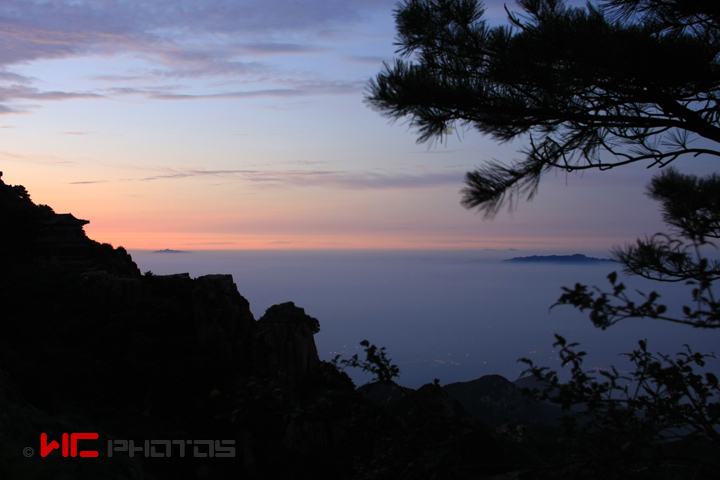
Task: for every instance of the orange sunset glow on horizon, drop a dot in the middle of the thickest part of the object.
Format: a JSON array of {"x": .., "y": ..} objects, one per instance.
[{"x": 179, "y": 132}]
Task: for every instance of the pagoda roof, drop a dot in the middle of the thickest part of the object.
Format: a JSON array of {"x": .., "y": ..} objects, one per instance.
[{"x": 65, "y": 219}]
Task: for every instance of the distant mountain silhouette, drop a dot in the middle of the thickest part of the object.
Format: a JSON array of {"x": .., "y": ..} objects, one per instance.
[
  {"x": 577, "y": 258},
  {"x": 495, "y": 401},
  {"x": 168, "y": 250}
]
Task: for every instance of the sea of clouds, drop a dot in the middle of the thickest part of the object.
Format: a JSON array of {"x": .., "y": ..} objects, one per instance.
[{"x": 450, "y": 315}]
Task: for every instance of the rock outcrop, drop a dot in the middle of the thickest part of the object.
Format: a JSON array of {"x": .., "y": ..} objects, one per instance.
[
  {"x": 283, "y": 345},
  {"x": 279, "y": 346},
  {"x": 223, "y": 320}
]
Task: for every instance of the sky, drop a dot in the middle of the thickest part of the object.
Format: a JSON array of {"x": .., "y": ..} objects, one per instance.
[{"x": 241, "y": 124}]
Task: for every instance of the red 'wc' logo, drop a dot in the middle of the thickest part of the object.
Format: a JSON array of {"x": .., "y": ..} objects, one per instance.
[{"x": 70, "y": 445}]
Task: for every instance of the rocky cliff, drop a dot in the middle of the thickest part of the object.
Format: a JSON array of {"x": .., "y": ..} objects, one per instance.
[
  {"x": 88, "y": 344},
  {"x": 126, "y": 354}
]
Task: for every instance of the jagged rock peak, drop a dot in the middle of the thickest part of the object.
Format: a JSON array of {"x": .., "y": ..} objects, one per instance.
[{"x": 283, "y": 344}]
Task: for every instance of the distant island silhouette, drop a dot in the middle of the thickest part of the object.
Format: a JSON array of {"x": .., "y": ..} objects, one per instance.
[
  {"x": 577, "y": 258},
  {"x": 168, "y": 250}
]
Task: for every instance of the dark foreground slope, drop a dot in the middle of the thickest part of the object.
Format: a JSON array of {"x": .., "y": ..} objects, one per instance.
[
  {"x": 89, "y": 345},
  {"x": 179, "y": 381}
]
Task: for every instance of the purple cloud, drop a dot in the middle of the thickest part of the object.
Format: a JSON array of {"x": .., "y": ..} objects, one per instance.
[
  {"x": 175, "y": 39},
  {"x": 279, "y": 48},
  {"x": 6, "y": 76},
  {"x": 278, "y": 92},
  {"x": 15, "y": 92},
  {"x": 7, "y": 110},
  {"x": 32, "y": 29}
]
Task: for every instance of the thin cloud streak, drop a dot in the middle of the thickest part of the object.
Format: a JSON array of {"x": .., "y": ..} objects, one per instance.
[
  {"x": 15, "y": 92},
  {"x": 6, "y": 110},
  {"x": 317, "y": 178},
  {"x": 15, "y": 78},
  {"x": 298, "y": 89},
  {"x": 334, "y": 179},
  {"x": 276, "y": 93},
  {"x": 368, "y": 60},
  {"x": 38, "y": 159},
  {"x": 355, "y": 180},
  {"x": 279, "y": 49}
]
